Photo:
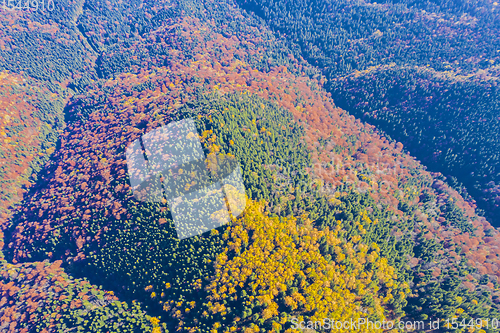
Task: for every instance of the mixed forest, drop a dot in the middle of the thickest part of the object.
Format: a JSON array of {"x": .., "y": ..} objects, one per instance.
[
  {"x": 341, "y": 220},
  {"x": 425, "y": 72}
]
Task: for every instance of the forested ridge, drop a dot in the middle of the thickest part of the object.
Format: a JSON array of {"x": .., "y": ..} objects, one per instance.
[
  {"x": 468, "y": 153},
  {"x": 425, "y": 72},
  {"x": 340, "y": 221}
]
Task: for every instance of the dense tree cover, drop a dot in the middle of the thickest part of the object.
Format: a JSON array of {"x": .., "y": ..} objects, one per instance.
[
  {"x": 30, "y": 123},
  {"x": 129, "y": 243},
  {"x": 41, "y": 297},
  {"x": 342, "y": 36},
  {"x": 350, "y": 199},
  {"x": 368, "y": 52},
  {"x": 42, "y": 46},
  {"x": 273, "y": 268},
  {"x": 405, "y": 100}
]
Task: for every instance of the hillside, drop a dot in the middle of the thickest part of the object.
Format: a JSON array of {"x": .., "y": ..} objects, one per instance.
[
  {"x": 424, "y": 72},
  {"x": 31, "y": 120},
  {"x": 340, "y": 221}
]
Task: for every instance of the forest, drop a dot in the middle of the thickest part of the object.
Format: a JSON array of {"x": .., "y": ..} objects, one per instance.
[
  {"x": 341, "y": 219},
  {"x": 425, "y": 73}
]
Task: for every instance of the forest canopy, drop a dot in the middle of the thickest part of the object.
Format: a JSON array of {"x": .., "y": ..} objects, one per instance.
[{"x": 367, "y": 135}]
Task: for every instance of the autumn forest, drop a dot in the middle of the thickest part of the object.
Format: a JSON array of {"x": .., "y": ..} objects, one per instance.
[{"x": 366, "y": 136}]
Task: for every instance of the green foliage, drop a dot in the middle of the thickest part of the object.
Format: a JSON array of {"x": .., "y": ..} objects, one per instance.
[
  {"x": 397, "y": 67},
  {"x": 47, "y": 299}
]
